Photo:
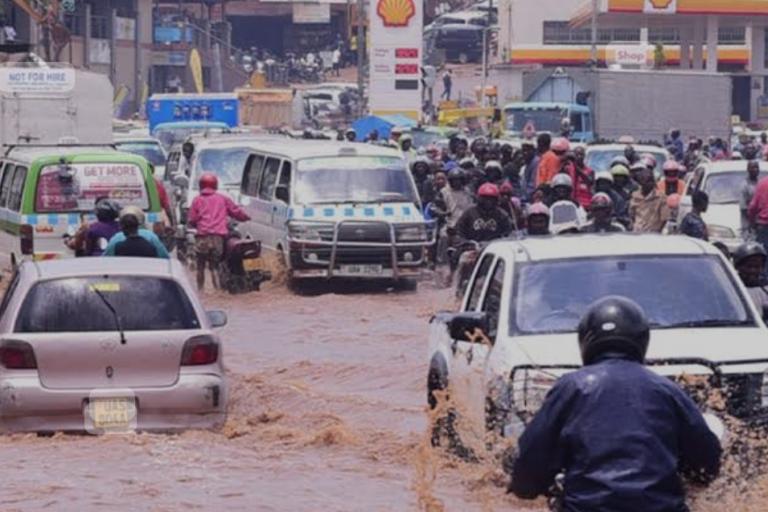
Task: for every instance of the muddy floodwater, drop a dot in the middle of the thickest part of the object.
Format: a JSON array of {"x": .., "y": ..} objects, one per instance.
[{"x": 327, "y": 413}]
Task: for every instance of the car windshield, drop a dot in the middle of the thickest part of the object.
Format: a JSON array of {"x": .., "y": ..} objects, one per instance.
[
  {"x": 676, "y": 292},
  {"x": 539, "y": 120},
  {"x": 600, "y": 159},
  {"x": 151, "y": 151},
  {"x": 354, "y": 179},
  {"x": 725, "y": 188},
  {"x": 422, "y": 139},
  {"x": 77, "y": 187},
  {"x": 227, "y": 164},
  {"x": 77, "y": 304}
]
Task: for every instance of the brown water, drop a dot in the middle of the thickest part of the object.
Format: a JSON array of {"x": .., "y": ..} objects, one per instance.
[{"x": 327, "y": 412}]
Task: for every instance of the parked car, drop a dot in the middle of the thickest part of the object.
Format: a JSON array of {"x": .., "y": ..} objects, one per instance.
[
  {"x": 722, "y": 181},
  {"x": 528, "y": 296},
  {"x": 105, "y": 344}
]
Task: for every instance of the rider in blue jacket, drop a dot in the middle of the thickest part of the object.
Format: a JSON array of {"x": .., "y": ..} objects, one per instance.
[{"x": 620, "y": 434}]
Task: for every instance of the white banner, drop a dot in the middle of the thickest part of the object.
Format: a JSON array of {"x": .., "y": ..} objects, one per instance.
[
  {"x": 99, "y": 51},
  {"x": 660, "y": 6},
  {"x": 36, "y": 80},
  {"x": 125, "y": 28},
  {"x": 396, "y": 56},
  {"x": 311, "y": 13}
]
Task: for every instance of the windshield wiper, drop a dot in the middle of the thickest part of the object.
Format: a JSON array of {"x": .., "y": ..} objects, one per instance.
[
  {"x": 715, "y": 322},
  {"x": 112, "y": 309}
]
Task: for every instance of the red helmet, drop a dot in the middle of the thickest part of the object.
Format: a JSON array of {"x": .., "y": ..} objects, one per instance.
[
  {"x": 506, "y": 188},
  {"x": 561, "y": 145},
  {"x": 209, "y": 180},
  {"x": 601, "y": 200},
  {"x": 488, "y": 190}
]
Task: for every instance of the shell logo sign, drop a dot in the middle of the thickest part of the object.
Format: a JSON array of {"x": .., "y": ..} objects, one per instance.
[
  {"x": 396, "y": 13},
  {"x": 660, "y": 6}
]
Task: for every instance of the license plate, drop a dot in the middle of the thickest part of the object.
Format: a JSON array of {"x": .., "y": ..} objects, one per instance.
[
  {"x": 362, "y": 270},
  {"x": 253, "y": 264},
  {"x": 112, "y": 413}
]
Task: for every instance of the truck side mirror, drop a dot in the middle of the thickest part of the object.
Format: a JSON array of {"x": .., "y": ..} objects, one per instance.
[
  {"x": 282, "y": 193},
  {"x": 463, "y": 325}
]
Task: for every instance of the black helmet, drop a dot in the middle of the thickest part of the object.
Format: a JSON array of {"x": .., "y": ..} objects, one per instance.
[
  {"x": 748, "y": 250},
  {"x": 106, "y": 210},
  {"x": 613, "y": 324}
]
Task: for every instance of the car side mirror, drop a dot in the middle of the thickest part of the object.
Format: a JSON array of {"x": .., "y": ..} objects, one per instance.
[
  {"x": 463, "y": 326},
  {"x": 181, "y": 181},
  {"x": 217, "y": 318},
  {"x": 281, "y": 193}
]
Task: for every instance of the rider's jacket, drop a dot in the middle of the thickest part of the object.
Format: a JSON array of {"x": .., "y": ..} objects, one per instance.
[
  {"x": 621, "y": 434},
  {"x": 484, "y": 226}
]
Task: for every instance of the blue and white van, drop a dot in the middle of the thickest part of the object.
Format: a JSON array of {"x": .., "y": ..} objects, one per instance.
[{"x": 336, "y": 210}]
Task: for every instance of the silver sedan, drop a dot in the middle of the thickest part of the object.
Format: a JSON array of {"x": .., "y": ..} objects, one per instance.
[{"x": 108, "y": 344}]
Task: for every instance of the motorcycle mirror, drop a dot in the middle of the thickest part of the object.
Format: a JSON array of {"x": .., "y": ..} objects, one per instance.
[
  {"x": 181, "y": 181},
  {"x": 217, "y": 318}
]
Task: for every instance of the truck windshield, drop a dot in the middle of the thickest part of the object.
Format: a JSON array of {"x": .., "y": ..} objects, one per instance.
[
  {"x": 354, "y": 180},
  {"x": 675, "y": 292},
  {"x": 77, "y": 187},
  {"x": 151, "y": 151},
  {"x": 539, "y": 120},
  {"x": 227, "y": 164}
]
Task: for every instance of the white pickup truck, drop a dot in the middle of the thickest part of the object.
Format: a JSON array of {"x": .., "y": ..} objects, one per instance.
[{"x": 528, "y": 297}]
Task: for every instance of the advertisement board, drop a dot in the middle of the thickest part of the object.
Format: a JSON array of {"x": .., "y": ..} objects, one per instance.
[
  {"x": 395, "y": 55},
  {"x": 660, "y": 6},
  {"x": 311, "y": 13},
  {"x": 36, "y": 80}
]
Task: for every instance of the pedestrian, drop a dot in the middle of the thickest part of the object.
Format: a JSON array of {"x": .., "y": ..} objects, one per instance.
[
  {"x": 583, "y": 178},
  {"x": 750, "y": 260},
  {"x": 623, "y": 436},
  {"x": 757, "y": 213},
  {"x": 745, "y": 198},
  {"x": 336, "y": 61},
  {"x": 693, "y": 225},
  {"x": 648, "y": 209},
  {"x": 447, "y": 84},
  {"x": 133, "y": 240}
]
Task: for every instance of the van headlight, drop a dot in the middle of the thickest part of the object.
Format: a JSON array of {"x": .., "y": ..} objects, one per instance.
[
  {"x": 721, "y": 232},
  {"x": 312, "y": 232},
  {"x": 412, "y": 234}
]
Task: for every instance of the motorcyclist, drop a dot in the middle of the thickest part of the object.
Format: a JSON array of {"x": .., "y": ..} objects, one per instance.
[
  {"x": 92, "y": 239},
  {"x": 421, "y": 175},
  {"x": 562, "y": 189},
  {"x": 604, "y": 182},
  {"x": 671, "y": 183},
  {"x": 511, "y": 205},
  {"x": 630, "y": 154},
  {"x": 693, "y": 225},
  {"x": 601, "y": 210},
  {"x": 583, "y": 178},
  {"x": 750, "y": 260},
  {"x": 209, "y": 214},
  {"x": 493, "y": 172},
  {"x": 485, "y": 221},
  {"x": 537, "y": 220},
  {"x": 552, "y": 161},
  {"x": 133, "y": 240},
  {"x": 350, "y": 135},
  {"x": 621, "y": 434},
  {"x": 456, "y": 200},
  {"x": 406, "y": 146}
]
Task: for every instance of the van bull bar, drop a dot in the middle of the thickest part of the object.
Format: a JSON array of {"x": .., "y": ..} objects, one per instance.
[{"x": 359, "y": 248}]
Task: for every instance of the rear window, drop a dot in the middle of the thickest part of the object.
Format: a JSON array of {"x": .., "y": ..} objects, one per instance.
[
  {"x": 82, "y": 304},
  {"x": 77, "y": 187}
]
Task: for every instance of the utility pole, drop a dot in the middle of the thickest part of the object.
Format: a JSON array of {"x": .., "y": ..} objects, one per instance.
[
  {"x": 593, "y": 51},
  {"x": 486, "y": 53},
  {"x": 361, "y": 50}
]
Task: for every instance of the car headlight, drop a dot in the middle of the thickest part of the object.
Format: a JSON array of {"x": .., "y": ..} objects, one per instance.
[
  {"x": 307, "y": 231},
  {"x": 716, "y": 231},
  {"x": 412, "y": 234}
]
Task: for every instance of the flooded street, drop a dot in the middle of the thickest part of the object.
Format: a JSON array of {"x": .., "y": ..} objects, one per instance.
[{"x": 327, "y": 412}]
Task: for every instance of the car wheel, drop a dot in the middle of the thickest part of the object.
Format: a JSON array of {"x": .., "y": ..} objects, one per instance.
[{"x": 444, "y": 422}]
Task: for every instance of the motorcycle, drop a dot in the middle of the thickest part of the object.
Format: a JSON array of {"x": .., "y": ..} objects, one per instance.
[{"x": 241, "y": 269}]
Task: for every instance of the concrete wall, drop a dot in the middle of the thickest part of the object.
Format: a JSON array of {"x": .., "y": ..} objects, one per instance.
[{"x": 522, "y": 23}]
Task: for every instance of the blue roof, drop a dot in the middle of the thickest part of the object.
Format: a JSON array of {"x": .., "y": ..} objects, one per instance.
[{"x": 382, "y": 124}]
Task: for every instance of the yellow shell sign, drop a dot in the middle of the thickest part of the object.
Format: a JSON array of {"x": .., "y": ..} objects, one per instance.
[{"x": 396, "y": 13}]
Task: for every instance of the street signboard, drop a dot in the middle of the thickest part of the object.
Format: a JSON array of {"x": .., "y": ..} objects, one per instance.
[{"x": 395, "y": 55}]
